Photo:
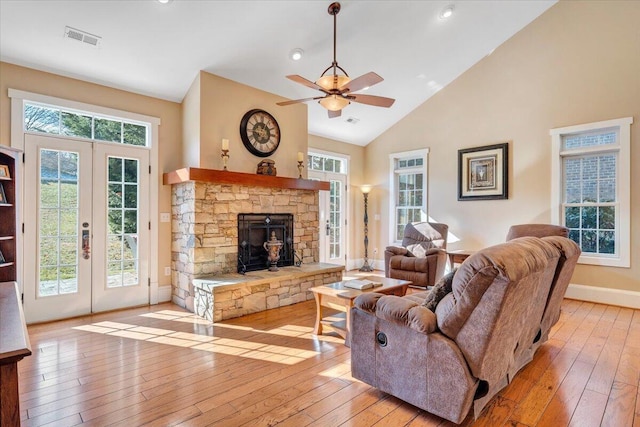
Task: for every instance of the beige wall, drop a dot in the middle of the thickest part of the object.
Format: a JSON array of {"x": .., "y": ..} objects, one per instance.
[
  {"x": 355, "y": 200},
  {"x": 26, "y": 79},
  {"x": 577, "y": 63},
  {"x": 191, "y": 125},
  {"x": 223, "y": 102}
]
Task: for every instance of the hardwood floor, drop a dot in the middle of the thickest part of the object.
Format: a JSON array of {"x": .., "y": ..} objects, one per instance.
[{"x": 161, "y": 366}]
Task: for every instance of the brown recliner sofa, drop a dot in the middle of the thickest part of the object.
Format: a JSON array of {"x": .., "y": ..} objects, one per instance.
[
  {"x": 479, "y": 336},
  {"x": 422, "y": 257}
]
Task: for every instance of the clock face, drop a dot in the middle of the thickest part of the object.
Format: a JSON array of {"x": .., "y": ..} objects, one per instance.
[{"x": 260, "y": 133}]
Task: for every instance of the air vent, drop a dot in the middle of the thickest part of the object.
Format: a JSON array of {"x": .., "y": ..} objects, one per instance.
[
  {"x": 352, "y": 120},
  {"x": 82, "y": 36}
]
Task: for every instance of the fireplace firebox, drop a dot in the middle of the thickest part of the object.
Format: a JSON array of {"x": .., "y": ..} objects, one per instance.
[{"x": 254, "y": 230}]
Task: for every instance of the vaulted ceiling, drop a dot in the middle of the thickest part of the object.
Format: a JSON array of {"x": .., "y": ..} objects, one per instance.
[{"x": 157, "y": 49}]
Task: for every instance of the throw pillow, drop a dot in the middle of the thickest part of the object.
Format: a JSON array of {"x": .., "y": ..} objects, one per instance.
[
  {"x": 439, "y": 291},
  {"x": 420, "y": 249}
]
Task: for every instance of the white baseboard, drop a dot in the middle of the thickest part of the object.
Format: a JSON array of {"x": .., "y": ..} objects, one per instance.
[
  {"x": 164, "y": 293},
  {"x": 617, "y": 297},
  {"x": 354, "y": 264}
]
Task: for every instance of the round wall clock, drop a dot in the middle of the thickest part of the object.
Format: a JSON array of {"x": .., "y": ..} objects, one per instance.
[{"x": 260, "y": 133}]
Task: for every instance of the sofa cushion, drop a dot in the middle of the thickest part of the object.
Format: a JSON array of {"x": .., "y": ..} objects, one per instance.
[{"x": 439, "y": 290}]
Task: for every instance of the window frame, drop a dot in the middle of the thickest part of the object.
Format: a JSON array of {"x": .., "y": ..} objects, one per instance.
[
  {"x": 394, "y": 172},
  {"x": 622, "y": 149}
]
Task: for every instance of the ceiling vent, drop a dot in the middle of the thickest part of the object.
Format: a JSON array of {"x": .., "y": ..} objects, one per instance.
[
  {"x": 82, "y": 36},
  {"x": 352, "y": 120}
]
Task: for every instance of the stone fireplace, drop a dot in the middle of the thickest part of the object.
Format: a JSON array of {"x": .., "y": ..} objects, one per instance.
[{"x": 205, "y": 209}]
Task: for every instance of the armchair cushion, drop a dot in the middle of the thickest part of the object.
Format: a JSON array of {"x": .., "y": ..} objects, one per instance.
[{"x": 439, "y": 291}]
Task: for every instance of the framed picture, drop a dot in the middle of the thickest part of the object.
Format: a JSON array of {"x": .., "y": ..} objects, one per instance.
[
  {"x": 3, "y": 196},
  {"x": 4, "y": 172},
  {"x": 483, "y": 172},
  {"x": 2, "y": 260}
]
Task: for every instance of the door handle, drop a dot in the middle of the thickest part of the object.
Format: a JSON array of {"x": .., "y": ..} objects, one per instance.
[
  {"x": 86, "y": 244},
  {"x": 328, "y": 228}
]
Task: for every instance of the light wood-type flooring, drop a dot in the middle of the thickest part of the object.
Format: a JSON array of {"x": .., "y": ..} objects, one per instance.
[{"x": 161, "y": 366}]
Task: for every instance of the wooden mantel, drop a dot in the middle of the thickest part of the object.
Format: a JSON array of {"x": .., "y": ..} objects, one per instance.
[{"x": 239, "y": 178}]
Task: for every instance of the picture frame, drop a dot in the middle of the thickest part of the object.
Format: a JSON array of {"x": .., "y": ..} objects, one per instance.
[
  {"x": 3, "y": 196},
  {"x": 4, "y": 172},
  {"x": 483, "y": 172}
]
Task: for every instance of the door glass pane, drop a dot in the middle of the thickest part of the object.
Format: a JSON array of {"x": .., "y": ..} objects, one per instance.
[
  {"x": 122, "y": 214},
  {"x": 58, "y": 223},
  {"x": 335, "y": 215}
]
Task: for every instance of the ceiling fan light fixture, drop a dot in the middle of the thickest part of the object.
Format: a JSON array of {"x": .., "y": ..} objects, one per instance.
[
  {"x": 334, "y": 102},
  {"x": 332, "y": 81}
]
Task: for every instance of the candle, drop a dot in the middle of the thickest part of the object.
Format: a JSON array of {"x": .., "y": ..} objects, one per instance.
[
  {"x": 300, "y": 156},
  {"x": 225, "y": 144}
]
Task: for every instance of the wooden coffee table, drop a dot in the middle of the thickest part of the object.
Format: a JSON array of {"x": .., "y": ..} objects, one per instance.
[{"x": 339, "y": 297}]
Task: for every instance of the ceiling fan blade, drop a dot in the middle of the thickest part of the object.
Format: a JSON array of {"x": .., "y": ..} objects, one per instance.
[
  {"x": 365, "y": 80},
  {"x": 378, "y": 101},
  {"x": 334, "y": 114},
  {"x": 296, "y": 101},
  {"x": 299, "y": 79}
]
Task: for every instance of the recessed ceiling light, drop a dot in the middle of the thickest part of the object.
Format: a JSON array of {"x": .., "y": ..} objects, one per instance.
[
  {"x": 165, "y": 1},
  {"x": 446, "y": 12},
  {"x": 296, "y": 54}
]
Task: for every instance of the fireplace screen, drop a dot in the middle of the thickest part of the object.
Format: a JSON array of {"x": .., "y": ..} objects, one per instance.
[{"x": 254, "y": 230}]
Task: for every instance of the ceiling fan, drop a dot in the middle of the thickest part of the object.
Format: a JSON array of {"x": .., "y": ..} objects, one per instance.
[{"x": 338, "y": 88}]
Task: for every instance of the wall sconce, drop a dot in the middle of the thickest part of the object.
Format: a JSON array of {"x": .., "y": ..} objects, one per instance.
[
  {"x": 366, "y": 189},
  {"x": 225, "y": 153}
]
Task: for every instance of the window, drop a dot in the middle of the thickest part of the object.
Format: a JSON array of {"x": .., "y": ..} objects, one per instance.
[
  {"x": 326, "y": 163},
  {"x": 55, "y": 120},
  {"x": 591, "y": 189},
  {"x": 409, "y": 190}
]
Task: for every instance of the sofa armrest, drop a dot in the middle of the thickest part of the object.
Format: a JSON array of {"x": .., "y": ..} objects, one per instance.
[
  {"x": 397, "y": 250},
  {"x": 398, "y": 310}
]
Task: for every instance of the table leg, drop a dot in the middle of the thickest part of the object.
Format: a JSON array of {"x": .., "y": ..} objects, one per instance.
[
  {"x": 317, "y": 329},
  {"x": 347, "y": 337}
]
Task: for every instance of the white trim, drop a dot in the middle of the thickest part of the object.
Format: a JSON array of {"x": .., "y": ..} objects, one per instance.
[
  {"x": 600, "y": 295},
  {"x": 81, "y": 106},
  {"x": 18, "y": 97},
  {"x": 164, "y": 294},
  {"x": 347, "y": 193},
  {"x": 424, "y": 153},
  {"x": 591, "y": 126},
  {"x": 623, "y": 149}
]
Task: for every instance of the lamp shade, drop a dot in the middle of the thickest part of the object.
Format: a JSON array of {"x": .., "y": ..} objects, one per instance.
[
  {"x": 332, "y": 81},
  {"x": 334, "y": 102},
  {"x": 366, "y": 189}
]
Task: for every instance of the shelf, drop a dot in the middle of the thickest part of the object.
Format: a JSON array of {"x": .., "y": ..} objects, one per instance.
[
  {"x": 6, "y": 204},
  {"x": 239, "y": 178},
  {"x": 6, "y": 264},
  {"x": 6, "y": 238},
  {"x": 4, "y": 178}
]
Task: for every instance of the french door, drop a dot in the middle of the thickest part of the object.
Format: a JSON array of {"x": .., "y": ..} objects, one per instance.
[
  {"x": 86, "y": 227},
  {"x": 333, "y": 216}
]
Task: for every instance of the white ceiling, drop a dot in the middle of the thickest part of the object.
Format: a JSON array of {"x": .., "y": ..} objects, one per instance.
[{"x": 157, "y": 49}]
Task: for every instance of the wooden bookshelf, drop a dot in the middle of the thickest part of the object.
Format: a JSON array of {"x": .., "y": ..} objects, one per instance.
[{"x": 9, "y": 168}]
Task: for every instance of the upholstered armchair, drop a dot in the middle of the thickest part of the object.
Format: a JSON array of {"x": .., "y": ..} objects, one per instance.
[{"x": 422, "y": 257}]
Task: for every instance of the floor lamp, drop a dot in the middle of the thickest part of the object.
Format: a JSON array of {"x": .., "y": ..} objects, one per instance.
[{"x": 365, "y": 192}]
